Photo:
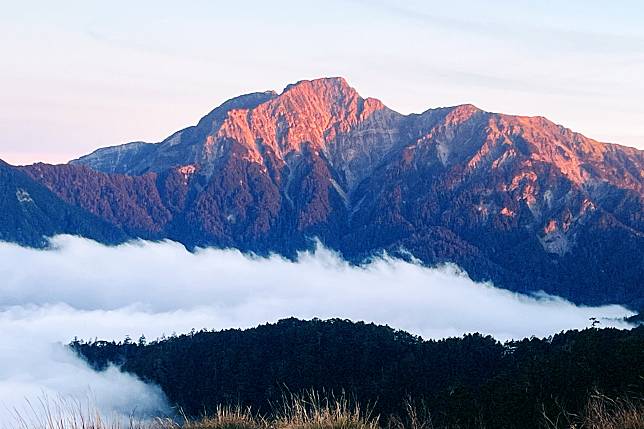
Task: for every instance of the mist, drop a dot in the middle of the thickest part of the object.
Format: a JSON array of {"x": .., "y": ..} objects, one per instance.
[{"x": 80, "y": 288}]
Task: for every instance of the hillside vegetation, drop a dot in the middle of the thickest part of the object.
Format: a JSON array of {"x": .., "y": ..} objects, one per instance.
[{"x": 473, "y": 381}]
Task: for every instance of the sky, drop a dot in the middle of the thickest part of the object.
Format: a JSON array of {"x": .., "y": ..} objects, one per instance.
[
  {"x": 157, "y": 288},
  {"x": 81, "y": 74}
]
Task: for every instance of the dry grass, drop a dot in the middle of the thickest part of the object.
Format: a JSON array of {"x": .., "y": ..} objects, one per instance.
[
  {"x": 601, "y": 412},
  {"x": 416, "y": 417},
  {"x": 225, "y": 417},
  {"x": 65, "y": 413},
  {"x": 308, "y": 411},
  {"x": 313, "y": 411}
]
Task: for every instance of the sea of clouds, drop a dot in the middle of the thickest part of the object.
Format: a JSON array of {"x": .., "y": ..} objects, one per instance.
[{"x": 80, "y": 288}]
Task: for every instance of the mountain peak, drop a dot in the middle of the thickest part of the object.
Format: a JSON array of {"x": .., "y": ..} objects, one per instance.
[
  {"x": 310, "y": 112},
  {"x": 332, "y": 94},
  {"x": 355, "y": 133},
  {"x": 266, "y": 172},
  {"x": 324, "y": 83}
]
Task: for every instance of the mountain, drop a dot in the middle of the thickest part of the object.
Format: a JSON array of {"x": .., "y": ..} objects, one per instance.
[
  {"x": 29, "y": 212},
  {"x": 520, "y": 201}
]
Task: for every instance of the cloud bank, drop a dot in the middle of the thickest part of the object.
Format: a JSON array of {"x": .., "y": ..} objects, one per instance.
[{"x": 85, "y": 289}]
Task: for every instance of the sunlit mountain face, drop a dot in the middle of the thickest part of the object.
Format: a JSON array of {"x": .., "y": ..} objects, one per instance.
[{"x": 520, "y": 201}]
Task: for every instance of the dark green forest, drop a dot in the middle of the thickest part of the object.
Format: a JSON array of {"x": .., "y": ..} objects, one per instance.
[{"x": 471, "y": 381}]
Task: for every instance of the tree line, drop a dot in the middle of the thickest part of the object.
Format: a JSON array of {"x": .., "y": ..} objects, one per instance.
[{"x": 470, "y": 381}]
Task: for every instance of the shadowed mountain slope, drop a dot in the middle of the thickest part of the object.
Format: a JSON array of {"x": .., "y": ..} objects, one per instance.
[
  {"x": 29, "y": 212},
  {"x": 517, "y": 200}
]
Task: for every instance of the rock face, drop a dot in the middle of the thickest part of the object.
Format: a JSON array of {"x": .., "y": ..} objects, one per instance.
[{"x": 520, "y": 201}]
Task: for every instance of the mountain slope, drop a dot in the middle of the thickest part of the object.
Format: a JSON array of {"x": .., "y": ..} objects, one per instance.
[
  {"x": 517, "y": 200},
  {"x": 29, "y": 212}
]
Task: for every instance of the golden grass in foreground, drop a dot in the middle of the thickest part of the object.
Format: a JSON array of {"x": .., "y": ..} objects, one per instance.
[
  {"x": 601, "y": 412},
  {"x": 308, "y": 411},
  {"x": 313, "y": 411},
  {"x": 225, "y": 417}
]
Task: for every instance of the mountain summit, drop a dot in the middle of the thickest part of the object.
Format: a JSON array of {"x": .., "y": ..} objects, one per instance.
[
  {"x": 319, "y": 114},
  {"x": 517, "y": 200}
]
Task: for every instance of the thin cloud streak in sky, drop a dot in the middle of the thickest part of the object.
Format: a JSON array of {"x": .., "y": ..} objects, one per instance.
[
  {"x": 593, "y": 42},
  {"x": 85, "y": 289}
]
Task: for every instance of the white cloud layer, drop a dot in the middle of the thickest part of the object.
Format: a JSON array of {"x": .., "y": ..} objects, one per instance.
[{"x": 85, "y": 289}]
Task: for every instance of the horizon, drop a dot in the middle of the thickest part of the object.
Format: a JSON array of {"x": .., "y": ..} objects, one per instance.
[{"x": 86, "y": 75}]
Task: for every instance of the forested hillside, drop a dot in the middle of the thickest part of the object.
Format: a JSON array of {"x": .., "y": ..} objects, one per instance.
[{"x": 464, "y": 381}]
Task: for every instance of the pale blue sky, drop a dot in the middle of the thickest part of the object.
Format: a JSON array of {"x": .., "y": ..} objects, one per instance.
[{"x": 77, "y": 75}]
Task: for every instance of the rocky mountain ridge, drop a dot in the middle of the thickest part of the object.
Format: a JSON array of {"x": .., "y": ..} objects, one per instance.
[{"x": 517, "y": 200}]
